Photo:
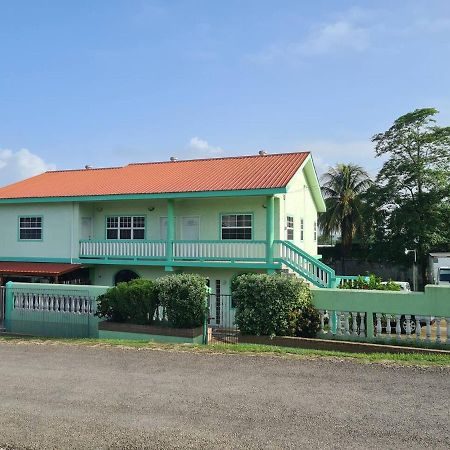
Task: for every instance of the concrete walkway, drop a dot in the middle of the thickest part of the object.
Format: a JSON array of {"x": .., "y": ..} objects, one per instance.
[{"x": 62, "y": 397}]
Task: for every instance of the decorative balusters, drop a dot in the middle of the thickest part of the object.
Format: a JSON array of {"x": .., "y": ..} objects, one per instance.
[
  {"x": 322, "y": 321},
  {"x": 398, "y": 327},
  {"x": 362, "y": 325},
  {"x": 408, "y": 326},
  {"x": 338, "y": 323},
  {"x": 388, "y": 325},
  {"x": 355, "y": 323},
  {"x": 418, "y": 328},
  {"x": 346, "y": 323},
  {"x": 438, "y": 329},
  {"x": 379, "y": 327},
  {"x": 428, "y": 328}
]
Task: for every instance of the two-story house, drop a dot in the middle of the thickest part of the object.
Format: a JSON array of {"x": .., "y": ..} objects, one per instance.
[{"x": 216, "y": 217}]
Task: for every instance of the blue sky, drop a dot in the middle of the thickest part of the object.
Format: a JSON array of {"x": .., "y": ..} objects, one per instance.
[{"x": 111, "y": 82}]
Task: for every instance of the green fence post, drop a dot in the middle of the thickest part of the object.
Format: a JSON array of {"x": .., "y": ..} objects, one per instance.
[{"x": 9, "y": 306}]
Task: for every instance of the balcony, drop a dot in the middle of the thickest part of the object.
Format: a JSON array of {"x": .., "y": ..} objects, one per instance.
[{"x": 219, "y": 251}]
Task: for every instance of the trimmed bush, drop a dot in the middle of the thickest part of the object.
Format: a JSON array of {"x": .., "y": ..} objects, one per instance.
[
  {"x": 273, "y": 305},
  {"x": 132, "y": 302},
  {"x": 184, "y": 298}
]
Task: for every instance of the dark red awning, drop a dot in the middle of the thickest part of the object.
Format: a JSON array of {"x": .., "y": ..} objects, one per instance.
[{"x": 35, "y": 268}]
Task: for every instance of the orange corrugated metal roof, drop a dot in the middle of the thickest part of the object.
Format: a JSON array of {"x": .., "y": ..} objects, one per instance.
[
  {"x": 34, "y": 268},
  {"x": 199, "y": 175}
]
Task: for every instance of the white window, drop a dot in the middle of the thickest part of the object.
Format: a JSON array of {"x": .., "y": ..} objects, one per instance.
[
  {"x": 30, "y": 228},
  {"x": 315, "y": 231},
  {"x": 302, "y": 229},
  {"x": 236, "y": 226},
  {"x": 125, "y": 227},
  {"x": 290, "y": 228}
]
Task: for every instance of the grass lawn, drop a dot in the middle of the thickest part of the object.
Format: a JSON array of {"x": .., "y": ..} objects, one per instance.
[{"x": 248, "y": 349}]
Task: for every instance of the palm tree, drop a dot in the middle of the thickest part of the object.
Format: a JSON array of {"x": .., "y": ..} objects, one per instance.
[{"x": 342, "y": 187}]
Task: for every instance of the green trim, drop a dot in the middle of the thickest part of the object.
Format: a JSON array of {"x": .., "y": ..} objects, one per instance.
[
  {"x": 249, "y": 213},
  {"x": 174, "y": 195},
  {"x": 30, "y": 240}
]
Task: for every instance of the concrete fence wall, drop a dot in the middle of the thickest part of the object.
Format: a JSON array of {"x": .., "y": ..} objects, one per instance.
[
  {"x": 362, "y": 313},
  {"x": 52, "y": 310}
]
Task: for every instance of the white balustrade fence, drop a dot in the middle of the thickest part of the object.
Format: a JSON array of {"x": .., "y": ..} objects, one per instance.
[
  {"x": 406, "y": 327},
  {"x": 132, "y": 249},
  {"x": 210, "y": 250},
  {"x": 63, "y": 303}
]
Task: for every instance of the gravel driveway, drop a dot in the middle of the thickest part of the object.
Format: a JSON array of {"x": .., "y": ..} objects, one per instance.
[{"x": 56, "y": 396}]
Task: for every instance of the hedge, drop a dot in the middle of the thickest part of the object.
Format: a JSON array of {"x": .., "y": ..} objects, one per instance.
[{"x": 274, "y": 305}]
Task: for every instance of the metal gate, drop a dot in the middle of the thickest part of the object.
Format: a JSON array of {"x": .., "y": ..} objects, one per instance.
[
  {"x": 2, "y": 307},
  {"x": 221, "y": 319}
]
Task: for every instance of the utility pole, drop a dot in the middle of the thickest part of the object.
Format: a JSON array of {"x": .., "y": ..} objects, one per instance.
[{"x": 407, "y": 252}]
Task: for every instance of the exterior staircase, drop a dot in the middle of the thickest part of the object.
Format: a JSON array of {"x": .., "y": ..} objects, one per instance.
[{"x": 305, "y": 265}]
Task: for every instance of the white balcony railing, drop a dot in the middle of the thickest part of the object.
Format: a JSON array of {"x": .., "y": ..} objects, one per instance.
[
  {"x": 181, "y": 250},
  {"x": 126, "y": 249}
]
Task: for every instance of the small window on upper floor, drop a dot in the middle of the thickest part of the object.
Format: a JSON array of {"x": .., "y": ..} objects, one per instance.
[
  {"x": 236, "y": 226},
  {"x": 302, "y": 229},
  {"x": 315, "y": 231},
  {"x": 30, "y": 228},
  {"x": 290, "y": 228}
]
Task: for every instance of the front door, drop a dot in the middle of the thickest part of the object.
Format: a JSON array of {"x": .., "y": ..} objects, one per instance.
[
  {"x": 190, "y": 228},
  {"x": 86, "y": 228}
]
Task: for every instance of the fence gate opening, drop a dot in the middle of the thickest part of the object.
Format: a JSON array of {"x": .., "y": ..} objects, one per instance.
[{"x": 221, "y": 319}]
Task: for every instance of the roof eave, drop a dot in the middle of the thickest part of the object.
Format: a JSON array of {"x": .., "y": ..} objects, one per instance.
[{"x": 171, "y": 195}]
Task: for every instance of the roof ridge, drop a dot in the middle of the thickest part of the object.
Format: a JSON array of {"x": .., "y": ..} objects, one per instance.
[
  {"x": 218, "y": 158},
  {"x": 84, "y": 170}
]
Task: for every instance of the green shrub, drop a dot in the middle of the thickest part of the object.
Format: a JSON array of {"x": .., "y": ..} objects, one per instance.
[
  {"x": 269, "y": 304},
  {"x": 132, "y": 302},
  {"x": 184, "y": 298},
  {"x": 308, "y": 320},
  {"x": 373, "y": 283}
]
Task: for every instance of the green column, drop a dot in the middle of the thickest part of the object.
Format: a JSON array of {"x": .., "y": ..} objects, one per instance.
[
  {"x": 270, "y": 227},
  {"x": 170, "y": 232}
]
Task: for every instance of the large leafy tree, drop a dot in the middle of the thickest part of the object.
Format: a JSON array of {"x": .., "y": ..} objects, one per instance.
[
  {"x": 342, "y": 187},
  {"x": 413, "y": 186}
]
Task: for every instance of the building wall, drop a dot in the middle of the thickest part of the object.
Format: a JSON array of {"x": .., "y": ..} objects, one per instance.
[
  {"x": 59, "y": 233},
  {"x": 208, "y": 210},
  {"x": 299, "y": 203}
]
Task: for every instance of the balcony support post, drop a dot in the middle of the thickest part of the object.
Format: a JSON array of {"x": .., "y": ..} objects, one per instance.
[
  {"x": 270, "y": 227},
  {"x": 170, "y": 233}
]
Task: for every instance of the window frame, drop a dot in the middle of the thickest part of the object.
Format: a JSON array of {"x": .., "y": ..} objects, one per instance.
[
  {"x": 19, "y": 228},
  {"x": 315, "y": 231},
  {"x": 302, "y": 229},
  {"x": 132, "y": 228},
  {"x": 290, "y": 228},
  {"x": 252, "y": 224}
]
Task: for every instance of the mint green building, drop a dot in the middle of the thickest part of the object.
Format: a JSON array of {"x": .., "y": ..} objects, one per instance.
[{"x": 215, "y": 217}]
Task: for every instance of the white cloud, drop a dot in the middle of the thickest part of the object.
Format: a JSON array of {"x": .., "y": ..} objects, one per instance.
[
  {"x": 22, "y": 164},
  {"x": 334, "y": 37},
  {"x": 201, "y": 147},
  {"x": 348, "y": 32}
]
